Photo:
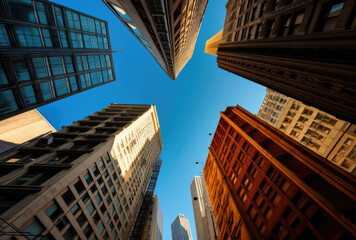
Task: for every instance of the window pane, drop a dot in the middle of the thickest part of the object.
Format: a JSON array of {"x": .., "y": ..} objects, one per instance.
[
  {"x": 105, "y": 76},
  {"x": 28, "y": 94},
  {"x": 98, "y": 26},
  {"x": 88, "y": 79},
  {"x": 106, "y": 44},
  {"x": 3, "y": 78},
  {"x": 61, "y": 86},
  {"x": 56, "y": 65},
  {"x": 22, "y": 10},
  {"x": 100, "y": 42},
  {"x": 46, "y": 91},
  {"x": 91, "y": 62},
  {"x": 96, "y": 77},
  {"x": 64, "y": 39},
  {"x": 111, "y": 77},
  {"x": 97, "y": 61},
  {"x": 85, "y": 63},
  {"x": 35, "y": 228},
  {"x": 108, "y": 60},
  {"x": 41, "y": 66},
  {"x": 54, "y": 211},
  {"x": 47, "y": 38},
  {"x": 69, "y": 64},
  {"x": 79, "y": 63},
  {"x": 73, "y": 20},
  {"x": 90, "y": 208},
  {"x": 8, "y": 103},
  {"x": 59, "y": 16},
  {"x": 87, "y": 23},
  {"x": 102, "y": 61},
  {"x": 41, "y": 10},
  {"x": 21, "y": 70},
  {"x": 4, "y": 39},
  {"x": 103, "y": 28},
  {"x": 77, "y": 40},
  {"x": 73, "y": 83},
  {"x": 28, "y": 36}
]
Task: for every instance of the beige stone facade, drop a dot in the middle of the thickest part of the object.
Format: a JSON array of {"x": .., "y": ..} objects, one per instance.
[
  {"x": 211, "y": 46},
  {"x": 85, "y": 181},
  {"x": 22, "y": 128}
]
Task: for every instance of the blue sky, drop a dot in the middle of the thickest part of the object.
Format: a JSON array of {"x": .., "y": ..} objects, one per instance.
[{"x": 188, "y": 108}]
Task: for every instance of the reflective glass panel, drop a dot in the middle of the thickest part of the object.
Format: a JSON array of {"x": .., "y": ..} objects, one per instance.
[
  {"x": 59, "y": 16},
  {"x": 22, "y": 10},
  {"x": 28, "y": 36},
  {"x": 56, "y": 65},
  {"x": 98, "y": 26},
  {"x": 29, "y": 95},
  {"x": 4, "y": 39},
  {"x": 61, "y": 86},
  {"x": 77, "y": 40},
  {"x": 21, "y": 70},
  {"x": 102, "y": 60},
  {"x": 69, "y": 64},
  {"x": 108, "y": 60},
  {"x": 96, "y": 77},
  {"x": 41, "y": 66},
  {"x": 64, "y": 39},
  {"x": 73, "y": 83},
  {"x": 46, "y": 91},
  {"x": 88, "y": 23},
  {"x": 34, "y": 229},
  {"x": 47, "y": 38},
  {"x": 41, "y": 11},
  {"x": 8, "y": 103},
  {"x": 73, "y": 20},
  {"x": 3, "y": 78}
]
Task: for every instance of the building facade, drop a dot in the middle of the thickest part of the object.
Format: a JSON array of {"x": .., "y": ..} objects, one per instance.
[
  {"x": 212, "y": 45},
  {"x": 203, "y": 213},
  {"x": 154, "y": 225},
  {"x": 22, "y": 128},
  {"x": 315, "y": 129},
  {"x": 303, "y": 49},
  {"x": 168, "y": 29},
  {"x": 181, "y": 229},
  {"x": 85, "y": 181},
  {"x": 48, "y": 52},
  {"x": 263, "y": 184}
]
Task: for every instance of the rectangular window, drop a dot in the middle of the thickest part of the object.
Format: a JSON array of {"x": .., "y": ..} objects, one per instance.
[
  {"x": 106, "y": 44},
  {"x": 4, "y": 38},
  {"x": 90, "y": 208},
  {"x": 61, "y": 86},
  {"x": 59, "y": 16},
  {"x": 47, "y": 92},
  {"x": 22, "y": 10},
  {"x": 85, "y": 63},
  {"x": 77, "y": 40},
  {"x": 102, "y": 61},
  {"x": 100, "y": 42},
  {"x": 111, "y": 77},
  {"x": 73, "y": 83},
  {"x": 47, "y": 38},
  {"x": 3, "y": 77},
  {"x": 41, "y": 11},
  {"x": 35, "y": 228},
  {"x": 41, "y": 67},
  {"x": 88, "y": 23},
  {"x": 8, "y": 103},
  {"x": 56, "y": 65},
  {"x": 98, "y": 26},
  {"x": 103, "y": 28},
  {"x": 54, "y": 211},
  {"x": 79, "y": 63},
  {"x": 21, "y": 70},
  {"x": 29, "y": 95},
  {"x": 108, "y": 60},
  {"x": 91, "y": 62},
  {"x": 63, "y": 38},
  {"x": 97, "y": 61},
  {"x": 28, "y": 36},
  {"x": 73, "y": 20},
  {"x": 69, "y": 64},
  {"x": 96, "y": 78},
  {"x": 105, "y": 75}
]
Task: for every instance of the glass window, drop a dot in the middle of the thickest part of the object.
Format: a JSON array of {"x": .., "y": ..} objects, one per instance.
[
  {"x": 21, "y": 70},
  {"x": 22, "y": 10},
  {"x": 90, "y": 208},
  {"x": 81, "y": 219},
  {"x": 59, "y": 16},
  {"x": 91, "y": 62},
  {"x": 90, "y": 41},
  {"x": 98, "y": 26},
  {"x": 106, "y": 44},
  {"x": 101, "y": 228},
  {"x": 73, "y": 20},
  {"x": 102, "y": 61},
  {"x": 8, "y": 103},
  {"x": 69, "y": 64},
  {"x": 88, "y": 178},
  {"x": 105, "y": 75},
  {"x": 97, "y": 61},
  {"x": 103, "y": 28},
  {"x": 64, "y": 40},
  {"x": 47, "y": 92},
  {"x": 4, "y": 38},
  {"x": 100, "y": 42},
  {"x": 85, "y": 63},
  {"x": 28, "y": 36},
  {"x": 56, "y": 65},
  {"x": 111, "y": 77},
  {"x": 88, "y": 79},
  {"x": 74, "y": 209},
  {"x": 98, "y": 198},
  {"x": 73, "y": 83},
  {"x": 96, "y": 77},
  {"x": 54, "y": 211},
  {"x": 41, "y": 66},
  {"x": 35, "y": 228},
  {"x": 108, "y": 60},
  {"x": 61, "y": 86},
  {"x": 77, "y": 40},
  {"x": 82, "y": 80},
  {"x": 3, "y": 78},
  {"x": 88, "y": 23},
  {"x": 79, "y": 63},
  {"x": 29, "y": 95},
  {"x": 41, "y": 11},
  {"x": 88, "y": 231},
  {"x": 70, "y": 234}
]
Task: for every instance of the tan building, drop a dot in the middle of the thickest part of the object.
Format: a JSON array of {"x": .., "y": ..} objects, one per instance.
[
  {"x": 86, "y": 181},
  {"x": 22, "y": 128},
  {"x": 211, "y": 46},
  {"x": 181, "y": 229},
  {"x": 315, "y": 129}
]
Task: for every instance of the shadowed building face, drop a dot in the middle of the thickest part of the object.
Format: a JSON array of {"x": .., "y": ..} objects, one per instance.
[{"x": 181, "y": 229}]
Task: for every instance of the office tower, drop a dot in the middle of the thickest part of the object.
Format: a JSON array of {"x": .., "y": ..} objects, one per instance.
[
  {"x": 315, "y": 129},
  {"x": 303, "y": 49},
  {"x": 168, "y": 29},
  {"x": 21, "y": 128},
  {"x": 263, "y": 184},
  {"x": 212, "y": 45},
  {"x": 85, "y": 181},
  {"x": 181, "y": 229},
  {"x": 49, "y": 52},
  {"x": 203, "y": 213}
]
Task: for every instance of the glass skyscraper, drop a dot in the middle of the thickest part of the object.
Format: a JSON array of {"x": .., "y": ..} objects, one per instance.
[{"x": 48, "y": 52}]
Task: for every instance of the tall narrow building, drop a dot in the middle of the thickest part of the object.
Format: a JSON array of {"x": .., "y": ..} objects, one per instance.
[
  {"x": 315, "y": 129},
  {"x": 49, "y": 52},
  {"x": 205, "y": 225},
  {"x": 181, "y": 229},
  {"x": 303, "y": 49},
  {"x": 263, "y": 184},
  {"x": 86, "y": 181},
  {"x": 168, "y": 29}
]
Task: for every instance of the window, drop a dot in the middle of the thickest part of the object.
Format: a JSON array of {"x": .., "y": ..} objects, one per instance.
[
  {"x": 29, "y": 95},
  {"x": 41, "y": 67},
  {"x": 41, "y": 11},
  {"x": 73, "y": 83},
  {"x": 90, "y": 208},
  {"x": 56, "y": 65},
  {"x": 88, "y": 231},
  {"x": 70, "y": 234},
  {"x": 77, "y": 40},
  {"x": 22, "y": 10},
  {"x": 108, "y": 60},
  {"x": 68, "y": 197},
  {"x": 54, "y": 211},
  {"x": 101, "y": 228},
  {"x": 8, "y": 103},
  {"x": 98, "y": 26},
  {"x": 59, "y": 16},
  {"x": 28, "y": 36},
  {"x": 35, "y": 228},
  {"x": 81, "y": 219},
  {"x": 73, "y": 20},
  {"x": 79, "y": 187},
  {"x": 88, "y": 178},
  {"x": 61, "y": 86},
  {"x": 88, "y": 23},
  {"x": 47, "y": 92},
  {"x": 111, "y": 77},
  {"x": 90, "y": 41},
  {"x": 63, "y": 38},
  {"x": 69, "y": 64},
  {"x": 21, "y": 70},
  {"x": 103, "y": 28},
  {"x": 62, "y": 223},
  {"x": 270, "y": 26},
  {"x": 96, "y": 77},
  {"x": 105, "y": 75},
  {"x": 333, "y": 10},
  {"x": 285, "y": 25},
  {"x": 3, "y": 77},
  {"x": 4, "y": 39}
]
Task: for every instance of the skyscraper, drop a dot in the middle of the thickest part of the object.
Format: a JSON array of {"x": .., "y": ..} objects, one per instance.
[
  {"x": 315, "y": 129},
  {"x": 154, "y": 223},
  {"x": 181, "y": 229},
  {"x": 303, "y": 49},
  {"x": 203, "y": 213},
  {"x": 85, "y": 181},
  {"x": 48, "y": 52},
  {"x": 168, "y": 29},
  {"x": 263, "y": 184}
]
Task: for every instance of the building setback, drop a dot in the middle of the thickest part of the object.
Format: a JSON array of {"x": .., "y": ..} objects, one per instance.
[
  {"x": 85, "y": 181},
  {"x": 315, "y": 129},
  {"x": 181, "y": 229},
  {"x": 263, "y": 184},
  {"x": 49, "y": 52},
  {"x": 168, "y": 29},
  {"x": 203, "y": 213},
  {"x": 303, "y": 49}
]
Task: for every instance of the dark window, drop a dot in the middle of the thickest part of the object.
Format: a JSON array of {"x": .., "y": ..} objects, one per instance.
[
  {"x": 35, "y": 228},
  {"x": 4, "y": 38},
  {"x": 8, "y": 103},
  {"x": 54, "y": 211},
  {"x": 61, "y": 86},
  {"x": 70, "y": 234},
  {"x": 21, "y": 69},
  {"x": 62, "y": 223},
  {"x": 47, "y": 91},
  {"x": 28, "y": 94},
  {"x": 270, "y": 26},
  {"x": 41, "y": 11},
  {"x": 79, "y": 187},
  {"x": 81, "y": 219},
  {"x": 22, "y": 10},
  {"x": 28, "y": 36},
  {"x": 41, "y": 66},
  {"x": 59, "y": 16},
  {"x": 68, "y": 197}
]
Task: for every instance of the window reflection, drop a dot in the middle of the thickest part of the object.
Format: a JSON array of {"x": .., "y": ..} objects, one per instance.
[
  {"x": 22, "y": 10},
  {"x": 3, "y": 78},
  {"x": 28, "y": 36},
  {"x": 4, "y": 38},
  {"x": 61, "y": 86},
  {"x": 8, "y": 103},
  {"x": 46, "y": 90},
  {"x": 29, "y": 95},
  {"x": 21, "y": 70}
]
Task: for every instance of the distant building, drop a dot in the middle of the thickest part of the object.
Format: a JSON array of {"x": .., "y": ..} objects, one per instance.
[
  {"x": 181, "y": 229},
  {"x": 49, "y": 52},
  {"x": 263, "y": 184},
  {"x": 22, "y": 128},
  {"x": 203, "y": 213},
  {"x": 303, "y": 49},
  {"x": 211, "y": 46},
  {"x": 168, "y": 29},
  {"x": 86, "y": 181},
  {"x": 155, "y": 222},
  {"x": 315, "y": 129}
]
